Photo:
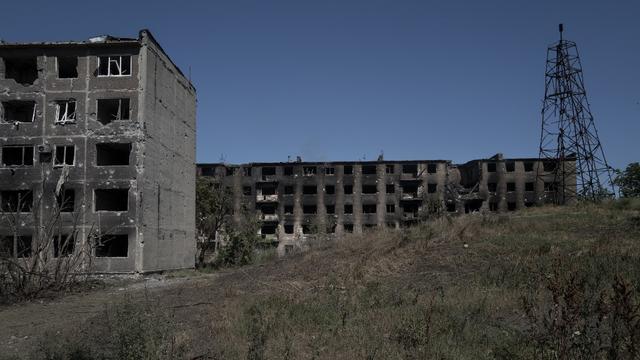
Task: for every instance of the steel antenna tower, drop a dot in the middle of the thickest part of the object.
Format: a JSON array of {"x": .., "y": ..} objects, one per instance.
[{"x": 569, "y": 143}]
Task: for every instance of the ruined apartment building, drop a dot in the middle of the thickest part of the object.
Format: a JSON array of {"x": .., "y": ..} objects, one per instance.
[
  {"x": 107, "y": 126},
  {"x": 294, "y": 198}
]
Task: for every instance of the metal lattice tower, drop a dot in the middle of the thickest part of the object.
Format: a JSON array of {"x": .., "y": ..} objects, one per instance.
[{"x": 569, "y": 143}]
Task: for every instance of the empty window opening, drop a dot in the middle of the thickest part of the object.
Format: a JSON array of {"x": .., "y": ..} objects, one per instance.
[
  {"x": 348, "y": 209},
  {"x": 65, "y": 155},
  {"x": 389, "y": 169},
  {"x": 329, "y": 171},
  {"x": 528, "y": 166},
  {"x": 309, "y": 189},
  {"x": 331, "y": 209},
  {"x": 410, "y": 208},
  {"x": 491, "y": 167},
  {"x": 331, "y": 228},
  {"x": 369, "y": 208},
  {"x": 369, "y": 189},
  {"x": 208, "y": 171},
  {"x": 330, "y": 189},
  {"x": 510, "y": 166},
  {"x": 268, "y": 190},
  {"x": 549, "y": 166},
  {"x": 17, "y": 155},
  {"x": 348, "y": 228},
  {"x": 391, "y": 225},
  {"x": 348, "y": 170},
  {"x": 306, "y": 229},
  {"x": 112, "y": 154},
  {"x": 493, "y": 206},
  {"x": 63, "y": 245},
  {"x": 15, "y": 246},
  {"x": 391, "y": 208},
  {"x": 288, "y": 190},
  {"x": 310, "y": 170},
  {"x": 473, "y": 205},
  {"x": 229, "y": 171},
  {"x": 111, "y": 199},
  {"x": 66, "y": 200},
  {"x": 16, "y": 201},
  {"x": 511, "y": 206},
  {"x": 114, "y": 65},
  {"x": 288, "y": 209},
  {"x": 410, "y": 169},
  {"x": 246, "y": 171},
  {"x": 268, "y": 209},
  {"x": 348, "y": 189},
  {"x": 112, "y": 246},
  {"x": 18, "y": 111},
  {"x": 65, "y": 111},
  {"x": 309, "y": 209},
  {"x": 67, "y": 67},
  {"x": 369, "y": 170},
  {"x": 246, "y": 190},
  {"x": 24, "y": 70},
  {"x": 410, "y": 189},
  {"x": 432, "y": 168},
  {"x": 432, "y": 188},
  {"x": 529, "y": 186},
  {"x": 268, "y": 171},
  {"x": 268, "y": 229},
  {"x": 288, "y": 229},
  {"x": 551, "y": 186},
  {"x": 451, "y": 207},
  {"x": 113, "y": 109},
  {"x": 511, "y": 186},
  {"x": 288, "y": 170},
  {"x": 391, "y": 188},
  {"x": 492, "y": 187},
  {"x": 528, "y": 204}
]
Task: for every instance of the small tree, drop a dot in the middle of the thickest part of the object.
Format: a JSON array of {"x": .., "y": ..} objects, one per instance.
[
  {"x": 629, "y": 180},
  {"x": 241, "y": 240},
  {"x": 214, "y": 206}
]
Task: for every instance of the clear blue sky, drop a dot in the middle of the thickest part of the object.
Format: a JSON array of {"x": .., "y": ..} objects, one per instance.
[{"x": 343, "y": 80}]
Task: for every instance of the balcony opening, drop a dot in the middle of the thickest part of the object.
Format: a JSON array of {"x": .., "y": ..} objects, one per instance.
[
  {"x": 65, "y": 155},
  {"x": 112, "y": 246},
  {"x": 368, "y": 170},
  {"x": 15, "y": 201},
  {"x": 113, "y": 109},
  {"x": 369, "y": 208},
  {"x": 113, "y": 154},
  {"x": 67, "y": 67},
  {"x": 18, "y": 111},
  {"x": 111, "y": 199},
  {"x": 309, "y": 209},
  {"x": 66, "y": 200},
  {"x": 369, "y": 189},
  {"x": 473, "y": 205},
  {"x": 410, "y": 189},
  {"x": 309, "y": 189},
  {"x": 330, "y": 189},
  {"x": 63, "y": 245},
  {"x": 268, "y": 209},
  {"x": 24, "y": 70},
  {"x": 268, "y": 190},
  {"x": 17, "y": 155},
  {"x": 411, "y": 169},
  {"x": 268, "y": 171}
]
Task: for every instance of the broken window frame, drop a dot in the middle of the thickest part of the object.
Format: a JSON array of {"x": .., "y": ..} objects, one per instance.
[
  {"x": 66, "y": 117},
  {"x": 391, "y": 208},
  {"x": 65, "y": 149},
  {"x": 24, "y": 157},
  {"x": 117, "y": 61},
  {"x": 329, "y": 171},
  {"x": 389, "y": 169},
  {"x": 103, "y": 240},
  {"x": 24, "y": 203},
  {"x": 10, "y": 121},
  {"x": 66, "y": 200},
  {"x": 124, "y": 108}
]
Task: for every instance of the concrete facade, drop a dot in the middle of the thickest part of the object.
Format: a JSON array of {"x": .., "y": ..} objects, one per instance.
[
  {"x": 115, "y": 118},
  {"x": 294, "y": 199}
]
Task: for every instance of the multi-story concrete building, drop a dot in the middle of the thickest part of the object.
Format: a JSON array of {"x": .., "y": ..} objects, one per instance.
[
  {"x": 297, "y": 198},
  {"x": 106, "y": 126}
]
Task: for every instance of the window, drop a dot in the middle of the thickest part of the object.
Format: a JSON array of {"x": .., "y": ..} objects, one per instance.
[
  {"x": 410, "y": 169},
  {"x": 550, "y": 186},
  {"x": 391, "y": 208},
  {"x": 246, "y": 171},
  {"x": 389, "y": 169},
  {"x": 369, "y": 208},
  {"x": 288, "y": 209},
  {"x": 65, "y": 111},
  {"x": 24, "y": 70},
  {"x": 348, "y": 228},
  {"x": 246, "y": 190},
  {"x": 348, "y": 189},
  {"x": 432, "y": 168},
  {"x": 528, "y": 166},
  {"x": 16, "y": 200},
  {"x": 511, "y": 166},
  {"x": 114, "y": 65},
  {"x": 330, "y": 189},
  {"x": 549, "y": 166},
  {"x": 309, "y": 170},
  {"x": 528, "y": 204},
  {"x": 113, "y": 109},
  {"x": 309, "y": 189},
  {"x": 66, "y": 200},
  {"x": 112, "y": 246},
  {"x": 369, "y": 189},
  {"x": 491, "y": 167},
  {"x": 288, "y": 170},
  {"x": 348, "y": 169},
  {"x": 111, "y": 199},
  {"x": 329, "y": 171},
  {"x": 113, "y": 154},
  {"x": 65, "y": 155},
  {"x": 63, "y": 244},
  {"x": 331, "y": 209},
  {"x": 511, "y": 206},
  {"x": 306, "y": 229},
  {"x": 493, "y": 187},
  {"x": 268, "y": 190},
  {"x": 268, "y": 171},
  {"x": 288, "y": 190},
  {"x": 18, "y": 111},
  {"x": 432, "y": 188},
  {"x": 369, "y": 170},
  {"x": 493, "y": 206},
  {"x": 391, "y": 188},
  {"x": 309, "y": 209},
  {"x": 288, "y": 229},
  {"x": 511, "y": 186},
  {"x": 17, "y": 155},
  {"x": 229, "y": 171},
  {"x": 67, "y": 67},
  {"x": 529, "y": 186},
  {"x": 348, "y": 209},
  {"x": 18, "y": 246}
]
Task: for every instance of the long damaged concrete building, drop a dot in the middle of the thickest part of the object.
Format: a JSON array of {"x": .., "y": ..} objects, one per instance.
[
  {"x": 104, "y": 131},
  {"x": 294, "y": 199}
]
